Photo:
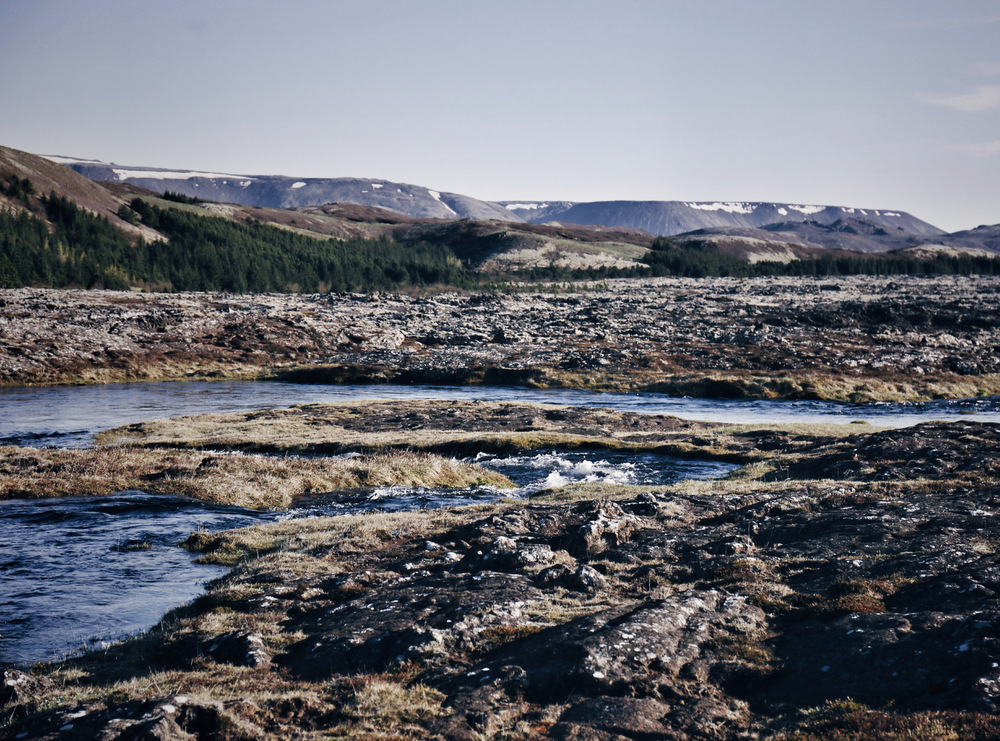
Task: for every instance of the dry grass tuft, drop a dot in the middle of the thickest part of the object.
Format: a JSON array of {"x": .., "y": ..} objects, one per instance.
[
  {"x": 847, "y": 720},
  {"x": 377, "y": 707},
  {"x": 253, "y": 481},
  {"x": 327, "y": 538}
]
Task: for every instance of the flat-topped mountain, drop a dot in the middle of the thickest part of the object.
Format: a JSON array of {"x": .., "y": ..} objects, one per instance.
[
  {"x": 667, "y": 218},
  {"x": 659, "y": 218},
  {"x": 278, "y": 191}
]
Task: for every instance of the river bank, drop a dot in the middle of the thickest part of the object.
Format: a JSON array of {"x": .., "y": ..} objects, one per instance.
[
  {"x": 857, "y": 339},
  {"x": 841, "y": 584}
]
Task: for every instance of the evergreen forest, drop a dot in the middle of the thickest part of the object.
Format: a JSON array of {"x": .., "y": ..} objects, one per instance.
[
  {"x": 205, "y": 253},
  {"x": 72, "y": 247}
]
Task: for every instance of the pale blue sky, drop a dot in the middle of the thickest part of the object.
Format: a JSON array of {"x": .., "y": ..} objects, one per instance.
[{"x": 888, "y": 104}]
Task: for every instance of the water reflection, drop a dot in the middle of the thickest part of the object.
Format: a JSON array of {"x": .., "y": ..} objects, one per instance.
[{"x": 68, "y": 416}]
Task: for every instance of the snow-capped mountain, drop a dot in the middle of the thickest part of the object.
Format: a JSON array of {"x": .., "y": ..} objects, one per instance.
[
  {"x": 276, "y": 191},
  {"x": 677, "y": 217},
  {"x": 664, "y": 218}
]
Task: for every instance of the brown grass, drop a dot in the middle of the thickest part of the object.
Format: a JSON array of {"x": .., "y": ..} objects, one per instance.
[
  {"x": 330, "y": 538},
  {"x": 414, "y": 425},
  {"x": 846, "y": 720},
  {"x": 253, "y": 481}
]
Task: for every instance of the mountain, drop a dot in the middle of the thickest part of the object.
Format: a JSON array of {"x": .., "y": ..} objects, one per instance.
[
  {"x": 507, "y": 236},
  {"x": 982, "y": 237},
  {"x": 47, "y": 176},
  {"x": 659, "y": 218},
  {"x": 479, "y": 245},
  {"x": 276, "y": 191},
  {"x": 848, "y": 233},
  {"x": 797, "y": 240},
  {"x": 667, "y": 218}
]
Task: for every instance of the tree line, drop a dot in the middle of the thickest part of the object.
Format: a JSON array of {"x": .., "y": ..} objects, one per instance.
[
  {"x": 72, "y": 247},
  {"x": 205, "y": 253},
  {"x": 699, "y": 260}
]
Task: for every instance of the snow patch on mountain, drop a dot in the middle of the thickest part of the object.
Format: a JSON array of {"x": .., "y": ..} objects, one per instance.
[
  {"x": 526, "y": 206},
  {"x": 437, "y": 197},
  {"x": 125, "y": 174},
  {"x": 727, "y": 206},
  {"x": 70, "y": 160},
  {"x": 808, "y": 210}
]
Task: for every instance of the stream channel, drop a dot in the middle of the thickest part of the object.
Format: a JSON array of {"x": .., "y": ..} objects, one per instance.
[{"x": 76, "y": 573}]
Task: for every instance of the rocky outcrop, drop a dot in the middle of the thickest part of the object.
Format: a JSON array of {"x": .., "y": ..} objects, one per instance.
[
  {"x": 813, "y": 606},
  {"x": 930, "y": 450},
  {"x": 856, "y": 338}
]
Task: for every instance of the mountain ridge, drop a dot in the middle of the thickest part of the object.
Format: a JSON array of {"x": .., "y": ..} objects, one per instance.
[
  {"x": 280, "y": 191},
  {"x": 668, "y": 218},
  {"x": 659, "y": 218},
  {"x": 535, "y": 240}
]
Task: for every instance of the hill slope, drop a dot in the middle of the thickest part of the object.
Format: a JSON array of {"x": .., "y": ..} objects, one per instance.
[
  {"x": 659, "y": 218},
  {"x": 668, "y": 218},
  {"x": 275, "y": 191},
  {"x": 47, "y": 177}
]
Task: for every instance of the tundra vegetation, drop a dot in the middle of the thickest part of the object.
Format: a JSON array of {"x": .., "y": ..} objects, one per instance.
[
  {"x": 841, "y": 584},
  {"x": 252, "y": 481}
]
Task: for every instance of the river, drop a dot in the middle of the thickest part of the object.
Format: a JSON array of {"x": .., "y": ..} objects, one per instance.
[
  {"x": 68, "y": 416},
  {"x": 75, "y": 573}
]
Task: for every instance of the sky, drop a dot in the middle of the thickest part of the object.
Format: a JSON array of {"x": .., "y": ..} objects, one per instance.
[{"x": 882, "y": 104}]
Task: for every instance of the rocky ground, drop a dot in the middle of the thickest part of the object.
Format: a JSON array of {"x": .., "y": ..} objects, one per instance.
[
  {"x": 844, "y": 585},
  {"x": 852, "y": 338}
]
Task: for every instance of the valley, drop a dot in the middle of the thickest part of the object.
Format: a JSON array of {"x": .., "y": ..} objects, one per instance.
[{"x": 805, "y": 580}]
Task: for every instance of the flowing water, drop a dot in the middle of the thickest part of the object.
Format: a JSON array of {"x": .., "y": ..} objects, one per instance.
[
  {"x": 68, "y": 416},
  {"x": 77, "y": 572}
]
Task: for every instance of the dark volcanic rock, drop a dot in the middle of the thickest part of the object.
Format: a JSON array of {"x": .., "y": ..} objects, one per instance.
[
  {"x": 239, "y": 649},
  {"x": 19, "y": 689},
  {"x": 741, "y": 610},
  {"x": 932, "y": 450},
  {"x": 433, "y": 614},
  {"x": 660, "y": 649},
  {"x": 871, "y": 338}
]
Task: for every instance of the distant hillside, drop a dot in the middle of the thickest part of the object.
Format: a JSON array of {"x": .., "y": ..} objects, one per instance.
[
  {"x": 982, "y": 237},
  {"x": 46, "y": 176},
  {"x": 802, "y": 239},
  {"x": 667, "y": 218},
  {"x": 659, "y": 218},
  {"x": 59, "y": 228},
  {"x": 274, "y": 191}
]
